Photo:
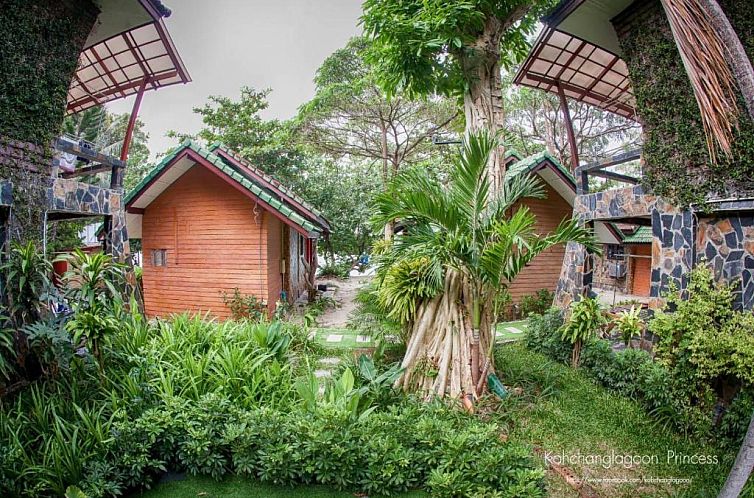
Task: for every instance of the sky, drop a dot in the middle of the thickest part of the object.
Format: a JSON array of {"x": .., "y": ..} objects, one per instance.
[{"x": 226, "y": 44}]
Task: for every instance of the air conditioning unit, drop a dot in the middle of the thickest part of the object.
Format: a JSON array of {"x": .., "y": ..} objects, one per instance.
[{"x": 617, "y": 270}]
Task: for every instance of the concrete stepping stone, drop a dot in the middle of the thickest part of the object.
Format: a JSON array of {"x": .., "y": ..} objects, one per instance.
[
  {"x": 332, "y": 361},
  {"x": 363, "y": 338},
  {"x": 312, "y": 335},
  {"x": 514, "y": 330},
  {"x": 322, "y": 373},
  {"x": 334, "y": 338}
]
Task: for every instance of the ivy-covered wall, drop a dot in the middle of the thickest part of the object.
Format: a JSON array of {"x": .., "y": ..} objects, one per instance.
[
  {"x": 40, "y": 43},
  {"x": 39, "y": 50},
  {"x": 677, "y": 162}
]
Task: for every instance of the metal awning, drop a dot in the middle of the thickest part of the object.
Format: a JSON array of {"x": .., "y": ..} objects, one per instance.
[
  {"x": 116, "y": 67},
  {"x": 584, "y": 71}
]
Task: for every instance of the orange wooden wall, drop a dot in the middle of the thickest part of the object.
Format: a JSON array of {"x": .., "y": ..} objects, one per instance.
[
  {"x": 544, "y": 271},
  {"x": 641, "y": 269},
  {"x": 214, "y": 242}
]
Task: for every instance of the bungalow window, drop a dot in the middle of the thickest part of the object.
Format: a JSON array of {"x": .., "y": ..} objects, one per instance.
[
  {"x": 615, "y": 252},
  {"x": 159, "y": 257},
  {"x": 301, "y": 245}
]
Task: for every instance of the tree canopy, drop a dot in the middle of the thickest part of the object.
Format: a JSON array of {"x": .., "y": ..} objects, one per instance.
[
  {"x": 424, "y": 47},
  {"x": 351, "y": 116}
]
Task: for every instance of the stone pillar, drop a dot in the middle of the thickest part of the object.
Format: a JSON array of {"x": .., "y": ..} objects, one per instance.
[
  {"x": 673, "y": 249},
  {"x": 575, "y": 276}
]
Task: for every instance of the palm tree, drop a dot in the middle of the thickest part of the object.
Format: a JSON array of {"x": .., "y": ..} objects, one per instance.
[{"x": 462, "y": 246}]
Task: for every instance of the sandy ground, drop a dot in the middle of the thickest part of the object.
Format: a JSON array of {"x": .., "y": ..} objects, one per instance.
[{"x": 345, "y": 293}]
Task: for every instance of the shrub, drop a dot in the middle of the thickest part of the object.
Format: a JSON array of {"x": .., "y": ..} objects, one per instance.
[
  {"x": 214, "y": 399},
  {"x": 629, "y": 324},
  {"x": 542, "y": 335},
  {"x": 538, "y": 303},
  {"x": 339, "y": 271},
  {"x": 244, "y": 306},
  {"x": 583, "y": 323}
]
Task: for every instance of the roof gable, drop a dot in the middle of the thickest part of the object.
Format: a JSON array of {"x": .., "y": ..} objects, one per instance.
[
  {"x": 270, "y": 184},
  {"x": 175, "y": 164},
  {"x": 550, "y": 170}
]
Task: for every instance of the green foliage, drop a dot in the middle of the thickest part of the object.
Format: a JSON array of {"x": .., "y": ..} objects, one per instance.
[
  {"x": 461, "y": 225},
  {"x": 335, "y": 270},
  {"x": 420, "y": 47},
  {"x": 40, "y": 53},
  {"x": 351, "y": 117},
  {"x": 702, "y": 364},
  {"x": 95, "y": 287},
  {"x": 244, "y": 306},
  {"x": 676, "y": 161},
  {"x": 704, "y": 341},
  {"x": 584, "y": 321},
  {"x": 542, "y": 335},
  {"x": 538, "y": 303},
  {"x": 370, "y": 318},
  {"x": 629, "y": 324},
  {"x": 212, "y": 399},
  {"x": 25, "y": 283}
]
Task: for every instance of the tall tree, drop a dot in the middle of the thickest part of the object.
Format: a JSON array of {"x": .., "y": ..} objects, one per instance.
[
  {"x": 238, "y": 124},
  {"x": 534, "y": 121},
  {"x": 351, "y": 116},
  {"x": 453, "y": 48},
  {"x": 462, "y": 247}
]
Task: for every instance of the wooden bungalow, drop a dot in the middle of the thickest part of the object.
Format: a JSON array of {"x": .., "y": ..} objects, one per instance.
[
  {"x": 210, "y": 222},
  {"x": 560, "y": 191}
]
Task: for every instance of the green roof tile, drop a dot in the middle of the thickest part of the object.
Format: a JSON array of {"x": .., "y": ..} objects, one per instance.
[
  {"x": 642, "y": 235},
  {"x": 227, "y": 169}
]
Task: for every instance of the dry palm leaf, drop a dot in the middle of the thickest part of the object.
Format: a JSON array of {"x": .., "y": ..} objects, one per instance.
[{"x": 703, "y": 55}]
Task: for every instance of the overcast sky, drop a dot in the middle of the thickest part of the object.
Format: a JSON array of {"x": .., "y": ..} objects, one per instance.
[{"x": 226, "y": 44}]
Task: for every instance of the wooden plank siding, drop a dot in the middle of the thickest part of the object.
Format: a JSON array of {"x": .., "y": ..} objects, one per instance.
[
  {"x": 214, "y": 242},
  {"x": 544, "y": 270},
  {"x": 641, "y": 269}
]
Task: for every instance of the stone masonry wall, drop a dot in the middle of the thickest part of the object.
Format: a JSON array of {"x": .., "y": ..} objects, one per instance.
[
  {"x": 71, "y": 196},
  {"x": 727, "y": 245},
  {"x": 681, "y": 239}
]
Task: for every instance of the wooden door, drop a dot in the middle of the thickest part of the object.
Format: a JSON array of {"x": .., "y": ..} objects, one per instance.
[{"x": 642, "y": 270}]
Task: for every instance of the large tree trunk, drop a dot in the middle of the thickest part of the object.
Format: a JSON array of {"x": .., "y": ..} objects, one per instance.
[
  {"x": 440, "y": 357},
  {"x": 483, "y": 99},
  {"x": 735, "y": 52},
  {"x": 742, "y": 467}
]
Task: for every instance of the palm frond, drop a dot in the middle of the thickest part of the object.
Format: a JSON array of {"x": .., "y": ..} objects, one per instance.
[
  {"x": 469, "y": 180},
  {"x": 514, "y": 189},
  {"x": 703, "y": 55},
  {"x": 415, "y": 196}
]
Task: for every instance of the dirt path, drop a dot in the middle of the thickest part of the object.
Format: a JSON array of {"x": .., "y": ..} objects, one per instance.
[{"x": 345, "y": 294}]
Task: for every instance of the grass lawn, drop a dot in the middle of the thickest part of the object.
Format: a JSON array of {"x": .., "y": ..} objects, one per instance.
[
  {"x": 236, "y": 487},
  {"x": 509, "y": 331},
  {"x": 562, "y": 411}
]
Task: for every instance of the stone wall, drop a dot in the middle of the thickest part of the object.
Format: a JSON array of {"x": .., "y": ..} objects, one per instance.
[
  {"x": 601, "y": 277},
  {"x": 68, "y": 196},
  {"x": 727, "y": 245},
  {"x": 672, "y": 249},
  {"x": 681, "y": 239}
]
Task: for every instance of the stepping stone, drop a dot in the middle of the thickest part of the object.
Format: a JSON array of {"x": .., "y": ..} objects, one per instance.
[
  {"x": 514, "y": 330},
  {"x": 334, "y": 337},
  {"x": 391, "y": 338},
  {"x": 363, "y": 338},
  {"x": 312, "y": 335},
  {"x": 322, "y": 373},
  {"x": 330, "y": 361}
]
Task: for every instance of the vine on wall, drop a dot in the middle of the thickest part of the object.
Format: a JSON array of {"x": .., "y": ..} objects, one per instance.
[
  {"x": 678, "y": 166},
  {"x": 39, "y": 50}
]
